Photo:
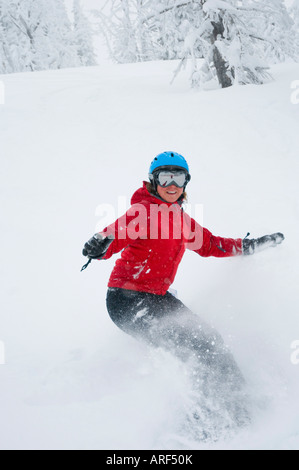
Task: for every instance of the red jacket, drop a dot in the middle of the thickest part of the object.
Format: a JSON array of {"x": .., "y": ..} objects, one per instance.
[{"x": 154, "y": 235}]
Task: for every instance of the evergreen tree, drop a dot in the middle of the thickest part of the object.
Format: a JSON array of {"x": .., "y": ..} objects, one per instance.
[
  {"x": 83, "y": 36},
  {"x": 60, "y": 36}
]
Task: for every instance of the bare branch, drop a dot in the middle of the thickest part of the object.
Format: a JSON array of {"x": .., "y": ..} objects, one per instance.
[{"x": 16, "y": 24}]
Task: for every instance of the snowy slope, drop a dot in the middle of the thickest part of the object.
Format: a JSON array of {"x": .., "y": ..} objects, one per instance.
[{"x": 72, "y": 140}]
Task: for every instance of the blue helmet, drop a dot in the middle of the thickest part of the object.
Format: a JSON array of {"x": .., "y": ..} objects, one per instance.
[{"x": 167, "y": 159}]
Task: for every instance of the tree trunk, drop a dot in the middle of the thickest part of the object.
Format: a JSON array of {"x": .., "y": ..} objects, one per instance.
[
  {"x": 221, "y": 69},
  {"x": 220, "y": 64}
]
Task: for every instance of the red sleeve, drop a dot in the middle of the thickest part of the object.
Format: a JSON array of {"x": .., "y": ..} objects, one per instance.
[
  {"x": 215, "y": 246},
  {"x": 125, "y": 230}
]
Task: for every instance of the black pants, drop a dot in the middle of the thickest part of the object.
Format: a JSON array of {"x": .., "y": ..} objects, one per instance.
[
  {"x": 164, "y": 321},
  {"x": 219, "y": 399}
]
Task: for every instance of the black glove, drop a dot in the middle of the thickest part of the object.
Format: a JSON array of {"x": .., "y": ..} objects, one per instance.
[
  {"x": 97, "y": 246},
  {"x": 250, "y": 246}
]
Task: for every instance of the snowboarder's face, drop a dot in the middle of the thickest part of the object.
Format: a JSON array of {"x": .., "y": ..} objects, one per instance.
[{"x": 171, "y": 193}]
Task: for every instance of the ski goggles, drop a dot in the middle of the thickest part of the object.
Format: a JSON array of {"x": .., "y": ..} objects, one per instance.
[{"x": 169, "y": 178}]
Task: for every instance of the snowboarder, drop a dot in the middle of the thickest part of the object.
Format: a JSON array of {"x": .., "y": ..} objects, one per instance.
[{"x": 153, "y": 244}]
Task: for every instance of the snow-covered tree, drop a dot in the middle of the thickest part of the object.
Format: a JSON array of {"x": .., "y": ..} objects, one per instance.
[
  {"x": 83, "y": 36},
  {"x": 236, "y": 38},
  {"x": 294, "y": 14},
  {"x": 170, "y": 24},
  {"x": 35, "y": 34},
  {"x": 9, "y": 42},
  {"x": 239, "y": 39},
  {"x": 60, "y": 34},
  {"x": 120, "y": 26},
  {"x": 277, "y": 29},
  {"x": 38, "y": 35},
  {"x": 228, "y": 41},
  {"x": 141, "y": 30}
]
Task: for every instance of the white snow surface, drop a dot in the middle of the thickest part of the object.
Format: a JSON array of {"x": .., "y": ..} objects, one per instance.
[{"x": 71, "y": 140}]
